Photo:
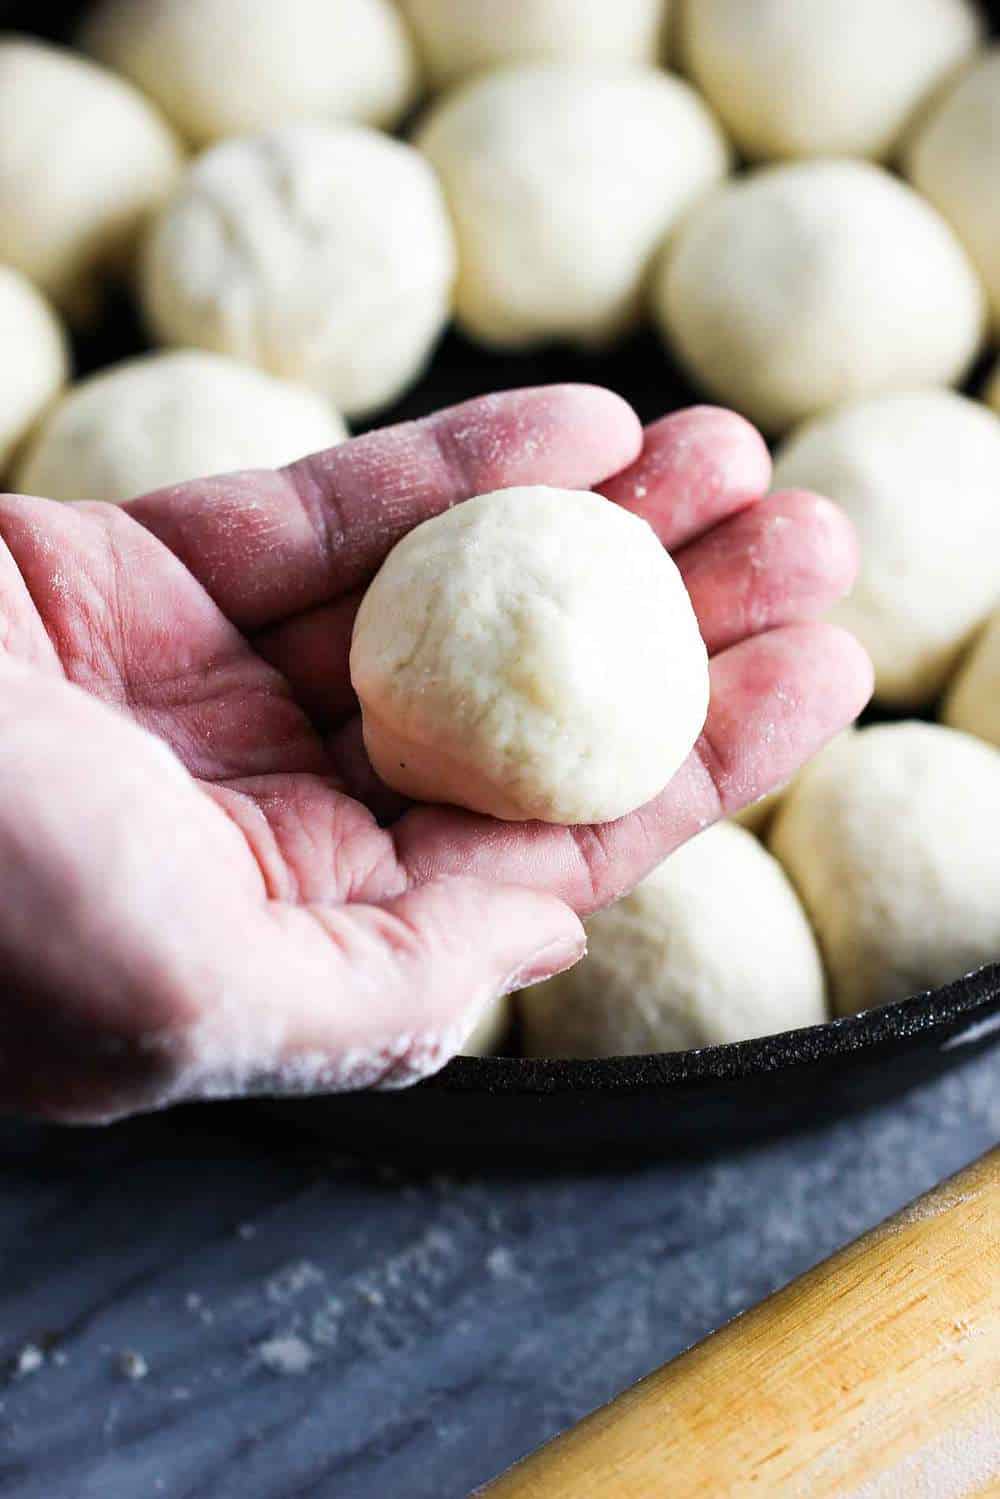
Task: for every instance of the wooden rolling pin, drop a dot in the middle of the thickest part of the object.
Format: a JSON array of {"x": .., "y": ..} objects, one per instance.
[{"x": 874, "y": 1376}]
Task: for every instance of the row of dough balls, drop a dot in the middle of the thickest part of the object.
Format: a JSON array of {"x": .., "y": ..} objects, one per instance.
[
  {"x": 919, "y": 474},
  {"x": 774, "y": 72},
  {"x": 879, "y": 881},
  {"x": 327, "y": 253},
  {"x": 361, "y": 60},
  {"x": 142, "y": 424},
  {"x": 181, "y": 74},
  {"x": 558, "y": 195},
  {"x": 162, "y": 418},
  {"x": 562, "y": 185},
  {"x": 799, "y": 286},
  {"x": 320, "y": 253},
  {"x": 531, "y": 205}
]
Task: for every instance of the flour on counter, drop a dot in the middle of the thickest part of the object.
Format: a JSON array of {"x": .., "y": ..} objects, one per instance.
[
  {"x": 196, "y": 1304},
  {"x": 286, "y": 1353},
  {"x": 500, "y": 1263},
  {"x": 132, "y": 1365},
  {"x": 293, "y": 1279},
  {"x": 29, "y": 1360}
]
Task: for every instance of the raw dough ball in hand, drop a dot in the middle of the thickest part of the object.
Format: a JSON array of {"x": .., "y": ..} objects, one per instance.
[
  {"x": 823, "y": 77},
  {"x": 228, "y": 67},
  {"x": 973, "y": 701},
  {"x": 33, "y": 359},
  {"x": 954, "y": 159},
  {"x": 532, "y": 653},
  {"x": 469, "y": 37},
  {"x": 892, "y": 842},
  {"x": 320, "y": 253},
  {"x": 919, "y": 475},
  {"x": 163, "y": 418},
  {"x": 84, "y": 160},
  {"x": 562, "y": 182},
  {"x": 801, "y": 286},
  {"x": 713, "y": 946}
]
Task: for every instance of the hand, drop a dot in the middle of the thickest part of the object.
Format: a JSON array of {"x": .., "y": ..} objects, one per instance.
[{"x": 198, "y": 898}]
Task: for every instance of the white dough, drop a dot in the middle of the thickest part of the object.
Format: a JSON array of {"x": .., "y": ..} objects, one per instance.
[
  {"x": 34, "y": 361},
  {"x": 973, "y": 701},
  {"x": 919, "y": 475},
  {"x": 473, "y": 35},
  {"x": 531, "y": 653},
  {"x": 562, "y": 182},
  {"x": 892, "y": 843},
  {"x": 713, "y": 946},
  {"x": 319, "y": 253},
  {"x": 84, "y": 160},
  {"x": 227, "y": 67},
  {"x": 823, "y": 77},
  {"x": 163, "y": 418},
  {"x": 800, "y": 286},
  {"x": 954, "y": 159}
]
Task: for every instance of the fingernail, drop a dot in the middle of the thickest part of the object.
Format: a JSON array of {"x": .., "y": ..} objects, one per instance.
[{"x": 554, "y": 958}]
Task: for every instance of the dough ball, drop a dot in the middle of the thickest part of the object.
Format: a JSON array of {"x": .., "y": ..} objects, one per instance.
[
  {"x": 919, "y": 475},
  {"x": 713, "y": 946},
  {"x": 34, "y": 361},
  {"x": 84, "y": 160},
  {"x": 973, "y": 701},
  {"x": 164, "y": 418},
  {"x": 469, "y": 37},
  {"x": 229, "y": 67},
  {"x": 319, "y": 253},
  {"x": 531, "y": 653},
  {"x": 562, "y": 182},
  {"x": 954, "y": 159},
  {"x": 892, "y": 843},
  {"x": 800, "y": 286},
  {"x": 823, "y": 77}
]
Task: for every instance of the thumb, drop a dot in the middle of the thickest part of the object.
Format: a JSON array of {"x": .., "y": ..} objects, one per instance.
[{"x": 360, "y": 996}]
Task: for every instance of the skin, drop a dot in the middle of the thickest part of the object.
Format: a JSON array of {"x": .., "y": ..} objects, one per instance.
[{"x": 248, "y": 909}]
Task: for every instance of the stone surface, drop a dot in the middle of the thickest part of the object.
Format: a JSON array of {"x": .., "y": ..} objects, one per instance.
[{"x": 206, "y": 1305}]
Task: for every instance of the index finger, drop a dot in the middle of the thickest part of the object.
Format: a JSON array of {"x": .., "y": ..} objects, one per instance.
[{"x": 270, "y": 543}]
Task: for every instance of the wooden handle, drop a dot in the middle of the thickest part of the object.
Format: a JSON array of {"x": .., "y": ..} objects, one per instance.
[{"x": 874, "y": 1376}]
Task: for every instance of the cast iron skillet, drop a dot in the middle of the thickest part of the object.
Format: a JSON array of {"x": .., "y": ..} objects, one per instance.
[{"x": 678, "y": 1101}]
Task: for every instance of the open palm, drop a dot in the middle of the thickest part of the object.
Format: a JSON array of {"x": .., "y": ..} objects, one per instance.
[{"x": 205, "y": 890}]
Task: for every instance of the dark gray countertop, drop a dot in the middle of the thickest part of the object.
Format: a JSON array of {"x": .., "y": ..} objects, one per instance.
[{"x": 204, "y": 1305}]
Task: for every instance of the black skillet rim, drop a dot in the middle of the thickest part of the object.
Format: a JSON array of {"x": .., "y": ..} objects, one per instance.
[{"x": 949, "y": 1010}]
